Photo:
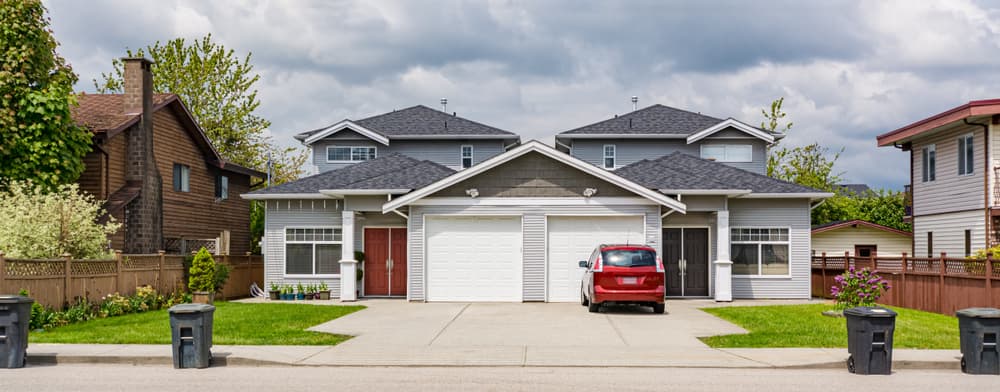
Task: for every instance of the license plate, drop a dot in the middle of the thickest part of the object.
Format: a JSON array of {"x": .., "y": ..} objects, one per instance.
[{"x": 630, "y": 280}]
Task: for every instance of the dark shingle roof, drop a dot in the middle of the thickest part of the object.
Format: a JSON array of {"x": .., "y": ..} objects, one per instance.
[
  {"x": 103, "y": 112},
  {"x": 389, "y": 171},
  {"x": 420, "y": 121},
  {"x": 856, "y": 189},
  {"x": 656, "y": 119},
  {"x": 682, "y": 171}
]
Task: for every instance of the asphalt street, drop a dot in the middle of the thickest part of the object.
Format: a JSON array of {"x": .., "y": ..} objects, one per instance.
[{"x": 441, "y": 379}]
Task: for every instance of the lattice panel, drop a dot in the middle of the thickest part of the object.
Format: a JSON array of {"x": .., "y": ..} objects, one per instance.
[
  {"x": 141, "y": 261},
  {"x": 965, "y": 267},
  {"x": 35, "y": 268},
  {"x": 925, "y": 265},
  {"x": 93, "y": 267}
]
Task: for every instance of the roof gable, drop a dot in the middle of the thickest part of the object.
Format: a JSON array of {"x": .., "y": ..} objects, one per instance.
[
  {"x": 419, "y": 122},
  {"x": 973, "y": 108},
  {"x": 346, "y": 125},
  {"x": 731, "y": 123},
  {"x": 836, "y": 225}
]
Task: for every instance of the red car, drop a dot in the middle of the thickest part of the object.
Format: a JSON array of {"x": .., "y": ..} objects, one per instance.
[{"x": 623, "y": 274}]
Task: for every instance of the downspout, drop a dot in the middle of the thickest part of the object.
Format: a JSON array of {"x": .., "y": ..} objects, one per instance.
[{"x": 986, "y": 180}]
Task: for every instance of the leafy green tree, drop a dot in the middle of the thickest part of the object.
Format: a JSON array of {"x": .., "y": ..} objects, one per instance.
[
  {"x": 40, "y": 141},
  {"x": 202, "y": 275},
  {"x": 39, "y": 223},
  {"x": 807, "y": 165},
  {"x": 771, "y": 123}
]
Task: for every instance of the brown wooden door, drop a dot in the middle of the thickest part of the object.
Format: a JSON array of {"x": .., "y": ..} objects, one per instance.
[
  {"x": 376, "y": 257},
  {"x": 671, "y": 259},
  {"x": 696, "y": 267},
  {"x": 397, "y": 250}
]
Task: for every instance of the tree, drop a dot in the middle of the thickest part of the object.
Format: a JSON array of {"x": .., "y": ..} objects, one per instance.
[
  {"x": 40, "y": 141},
  {"x": 218, "y": 89},
  {"x": 808, "y": 166},
  {"x": 38, "y": 223},
  {"x": 770, "y": 123},
  {"x": 201, "y": 277}
]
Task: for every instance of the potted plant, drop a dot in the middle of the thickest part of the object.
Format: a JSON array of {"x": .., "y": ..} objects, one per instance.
[
  {"x": 274, "y": 292},
  {"x": 300, "y": 292},
  {"x": 309, "y": 292},
  {"x": 201, "y": 279},
  {"x": 324, "y": 291},
  {"x": 286, "y": 293}
]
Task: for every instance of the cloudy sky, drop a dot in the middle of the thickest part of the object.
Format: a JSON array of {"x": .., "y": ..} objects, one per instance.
[{"x": 848, "y": 70}]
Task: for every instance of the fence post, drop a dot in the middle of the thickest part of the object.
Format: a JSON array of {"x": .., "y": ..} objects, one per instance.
[
  {"x": 874, "y": 258},
  {"x": 160, "y": 287},
  {"x": 944, "y": 270},
  {"x": 3, "y": 271},
  {"x": 989, "y": 278},
  {"x": 902, "y": 284},
  {"x": 119, "y": 273},
  {"x": 847, "y": 261},
  {"x": 67, "y": 276}
]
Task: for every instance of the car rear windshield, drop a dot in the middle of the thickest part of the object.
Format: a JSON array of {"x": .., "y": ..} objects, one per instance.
[{"x": 629, "y": 258}]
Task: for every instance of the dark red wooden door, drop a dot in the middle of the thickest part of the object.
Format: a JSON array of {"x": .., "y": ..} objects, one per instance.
[
  {"x": 376, "y": 257},
  {"x": 397, "y": 250}
]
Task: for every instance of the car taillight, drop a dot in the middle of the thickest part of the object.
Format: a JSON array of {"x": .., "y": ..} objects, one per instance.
[
  {"x": 659, "y": 264},
  {"x": 598, "y": 265}
]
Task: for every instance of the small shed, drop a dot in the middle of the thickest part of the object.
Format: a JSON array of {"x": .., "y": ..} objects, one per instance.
[{"x": 860, "y": 238}]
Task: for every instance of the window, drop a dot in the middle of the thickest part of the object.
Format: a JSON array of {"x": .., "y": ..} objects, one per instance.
[
  {"x": 930, "y": 244},
  {"x": 759, "y": 251},
  {"x": 349, "y": 154},
  {"x": 312, "y": 251},
  {"x": 929, "y": 162},
  {"x": 222, "y": 187},
  {"x": 727, "y": 152},
  {"x": 182, "y": 178},
  {"x": 609, "y": 156},
  {"x": 968, "y": 243},
  {"x": 466, "y": 157},
  {"x": 629, "y": 258},
  {"x": 966, "y": 158}
]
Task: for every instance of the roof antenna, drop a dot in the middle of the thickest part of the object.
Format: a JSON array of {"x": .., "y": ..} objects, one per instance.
[
  {"x": 444, "y": 105},
  {"x": 635, "y": 103}
]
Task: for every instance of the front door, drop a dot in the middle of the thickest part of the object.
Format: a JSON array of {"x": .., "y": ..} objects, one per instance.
[
  {"x": 385, "y": 261},
  {"x": 685, "y": 255}
]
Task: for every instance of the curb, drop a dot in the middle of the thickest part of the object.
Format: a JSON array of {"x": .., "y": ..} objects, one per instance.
[{"x": 217, "y": 361}]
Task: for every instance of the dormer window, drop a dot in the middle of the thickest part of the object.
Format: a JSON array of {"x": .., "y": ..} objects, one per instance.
[
  {"x": 466, "y": 157},
  {"x": 344, "y": 154},
  {"x": 727, "y": 152},
  {"x": 609, "y": 156}
]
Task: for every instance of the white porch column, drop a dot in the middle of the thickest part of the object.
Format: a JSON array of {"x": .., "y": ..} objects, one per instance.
[
  {"x": 348, "y": 266},
  {"x": 723, "y": 266}
]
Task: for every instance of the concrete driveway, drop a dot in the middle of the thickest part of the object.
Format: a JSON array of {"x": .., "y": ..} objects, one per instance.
[{"x": 395, "y": 332}]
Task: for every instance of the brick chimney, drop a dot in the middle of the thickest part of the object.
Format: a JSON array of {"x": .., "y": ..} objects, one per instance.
[{"x": 143, "y": 216}]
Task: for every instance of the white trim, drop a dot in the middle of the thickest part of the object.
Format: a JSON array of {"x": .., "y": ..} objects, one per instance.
[
  {"x": 284, "y": 246},
  {"x": 520, "y": 271},
  {"x": 730, "y": 122},
  {"x": 336, "y": 193},
  {"x": 707, "y": 192},
  {"x": 614, "y": 156},
  {"x": 963, "y": 141},
  {"x": 328, "y": 160},
  {"x": 924, "y": 159},
  {"x": 454, "y": 137},
  {"x": 350, "y": 125},
  {"x": 461, "y": 156},
  {"x": 803, "y": 195},
  {"x": 620, "y": 136},
  {"x": 534, "y": 146},
  {"x": 725, "y": 152},
  {"x": 284, "y": 196},
  {"x": 759, "y": 251},
  {"x": 530, "y": 201}
]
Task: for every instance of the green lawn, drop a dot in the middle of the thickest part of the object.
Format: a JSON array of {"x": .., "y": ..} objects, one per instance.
[
  {"x": 805, "y": 326},
  {"x": 234, "y": 324}
]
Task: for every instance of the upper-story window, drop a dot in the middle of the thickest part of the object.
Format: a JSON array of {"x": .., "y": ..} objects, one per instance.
[
  {"x": 466, "y": 157},
  {"x": 966, "y": 158},
  {"x": 182, "y": 178},
  {"x": 929, "y": 161},
  {"x": 349, "y": 154},
  {"x": 609, "y": 156},
  {"x": 727, "y": 152},
  {"x": 222, "y": 187}
]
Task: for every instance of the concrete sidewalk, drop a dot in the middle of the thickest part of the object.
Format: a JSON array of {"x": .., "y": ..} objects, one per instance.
[{"x": 492, "y": 356}]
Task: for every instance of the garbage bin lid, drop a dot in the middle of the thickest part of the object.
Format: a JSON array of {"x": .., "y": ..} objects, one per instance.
[
  {"x": 979, "y": 313},
  {"x": 191, "y": 308},
  {"x": 865, "y": 311},
  {"x": 15, "y": 299}
]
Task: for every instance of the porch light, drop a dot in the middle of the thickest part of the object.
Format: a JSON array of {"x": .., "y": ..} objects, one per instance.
[
  {"x": 472, "y": 192},
  {"x": 589, "y": 192}
]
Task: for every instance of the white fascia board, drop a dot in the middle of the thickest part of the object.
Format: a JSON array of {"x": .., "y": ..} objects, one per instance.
[
  {"x": 532, "y": 201},
  {"x": 620, "y": 136},
  {"x": 804, "y": 195},
  {"x": 454, "y": 137},
  {"x": 346, "y": 124},
  {"x": 539, "y": 147},
  {"x": 362, "y": 192},
  {"x": 707, "y": 192},
  {"x": 283, "y": 196},
  {"x": 729, "y": 122}
]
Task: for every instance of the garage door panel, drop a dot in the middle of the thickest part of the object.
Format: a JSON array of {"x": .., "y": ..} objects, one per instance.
[
  {"x": 473, "y": 258},
  {"x": 572, "y": 238}
]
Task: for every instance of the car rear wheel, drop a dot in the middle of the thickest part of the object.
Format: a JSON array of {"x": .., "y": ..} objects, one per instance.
[
  {"x": 594, "y": 308},
  {"x": 659, "y": 308}
]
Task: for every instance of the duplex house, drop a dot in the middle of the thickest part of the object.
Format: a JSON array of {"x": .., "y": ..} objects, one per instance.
[
  {"x": 158, "y": 173},
  {"x": 954, "y": 210},
  {"x": 445, "y": 222}
]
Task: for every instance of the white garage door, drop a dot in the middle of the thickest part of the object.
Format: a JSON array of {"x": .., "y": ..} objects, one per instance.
[
  {"x": 473, "y": 258},
  {"x": 573, "y": 238}
]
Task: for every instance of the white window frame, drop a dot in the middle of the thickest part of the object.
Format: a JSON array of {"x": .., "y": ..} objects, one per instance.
[
  {"x": 462, "y": 157},
  {"x": 374, "y": 150},
  {"x": 966, "y": 166},
  {"x": 725, "y": 153},
  {"x": 184, "y": 172},
  {"x": 928, "y": 171},
  {"x": 613, "y": 156},
  {"x": 222, "y": 193},
  {"x": 760, "y": 258},
  {"x": 284, "y": 249}
]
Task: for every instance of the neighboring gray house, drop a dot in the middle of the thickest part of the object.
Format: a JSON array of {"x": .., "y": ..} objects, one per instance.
[{"x": 513, "y": 225}]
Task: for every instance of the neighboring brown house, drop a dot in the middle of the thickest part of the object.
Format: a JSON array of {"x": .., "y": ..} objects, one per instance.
[{"x": 158, "y": 172}]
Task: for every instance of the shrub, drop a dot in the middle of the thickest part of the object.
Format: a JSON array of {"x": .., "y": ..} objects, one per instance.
[
  {"x": 111, "y": 305},
  {"x": 221, "y": 276},
  {"x": 858, "y": 288},
  {"x": 37, "y": 224},
  {"x": 202, "y": 273},
  {"x": 975, "y": 268}
]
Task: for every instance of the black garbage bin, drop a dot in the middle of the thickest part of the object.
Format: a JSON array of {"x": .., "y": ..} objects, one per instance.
[
  {"x": 191, "y": 331},
  {"x": 15, "y": 315},
  {"x": 869, "y": 339},
  {"x": 978, "y": 331}
]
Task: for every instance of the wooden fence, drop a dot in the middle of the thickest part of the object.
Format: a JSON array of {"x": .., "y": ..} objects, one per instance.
[
  {"x": 56, "y": 282},
  {"x": 939, "y": 284}
]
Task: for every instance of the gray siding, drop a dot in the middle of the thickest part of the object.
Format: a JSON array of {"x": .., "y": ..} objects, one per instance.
[
  {"x": 444, "y": 152},
  {"x": 791, "y": 213},
  {"x": 949, "y": 233},
  {"x": 295, "y": 213},
  {"x": 534, "y": 231},
  {"x": 629, "y": 151},
  {"x": 949, "y": 192}
]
